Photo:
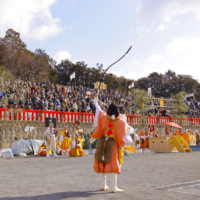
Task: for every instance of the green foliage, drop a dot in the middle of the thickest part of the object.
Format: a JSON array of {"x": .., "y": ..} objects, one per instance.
[
  {"x": 179, "y": 105},
  {"x": 163, "y": 85},
  {"x": 141, "y": 103},
  {"x": 53, "y": 75},
  {"x": 5, "y": 75},
  {"x": 66, "y": 68}
]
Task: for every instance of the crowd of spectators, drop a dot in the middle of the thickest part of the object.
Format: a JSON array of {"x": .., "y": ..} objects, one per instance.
[
  {"x": 18, "y": 94},
  {"x": 164, "y": 111},
  {"x": 29, "y": 95},
  {"x": 192, "y": 112},
  {"x": 193, "y": 109}
]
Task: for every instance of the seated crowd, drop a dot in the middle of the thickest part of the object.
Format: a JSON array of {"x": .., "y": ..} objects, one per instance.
[
  {"x": 54, "y": 97},
  {"x": 29, "y": 95}
]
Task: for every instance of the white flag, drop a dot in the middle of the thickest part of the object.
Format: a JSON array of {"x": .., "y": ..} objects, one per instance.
[
  {"x": 149, "y": 92},
  {"x": 72, "y": 76},
  {"x": 131, "y": 85},
  {"x": 190, "y": 95}
]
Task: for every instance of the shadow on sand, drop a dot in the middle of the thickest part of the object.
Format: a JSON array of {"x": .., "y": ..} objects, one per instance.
[{"x": 56, "y": 196}]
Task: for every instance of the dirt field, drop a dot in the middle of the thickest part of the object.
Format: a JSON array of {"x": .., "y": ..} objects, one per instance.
[{"x": 62, "y": 178}]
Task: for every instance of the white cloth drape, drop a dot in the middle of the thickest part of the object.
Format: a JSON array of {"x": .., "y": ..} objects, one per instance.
[{"x": 8, "y": 151}]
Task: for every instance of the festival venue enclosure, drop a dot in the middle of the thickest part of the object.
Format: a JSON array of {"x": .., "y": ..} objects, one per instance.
[{"x": 33, "y": 115}]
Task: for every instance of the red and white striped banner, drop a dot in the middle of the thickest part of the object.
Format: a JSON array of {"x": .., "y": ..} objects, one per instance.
[{"x": 34, "y": 115}]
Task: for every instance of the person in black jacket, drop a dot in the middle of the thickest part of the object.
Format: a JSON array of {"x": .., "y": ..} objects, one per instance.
[
  {"x": 42, "y": 104},
  {"x": 92, "y": 106},
  {"x": 28, "y": 103},
  {"x": 35, "y": 103},
  {"x": 11, "y": 102},
  {"x": 84, "y": 107}
]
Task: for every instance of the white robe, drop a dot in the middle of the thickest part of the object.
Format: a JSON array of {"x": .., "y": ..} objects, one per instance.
[{"x": 51, "y": 140}]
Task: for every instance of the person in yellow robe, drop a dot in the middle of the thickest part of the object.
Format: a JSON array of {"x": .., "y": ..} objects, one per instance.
[
  {"x": 60, "y": 151},
  {"x": 79, "y": 150},
  {"x": 81, "y": 137},
  {"x": 65, "y": 139},
  {"x": 76, "y": 147},
  {"x": 76, "y": 131},
  {"x": 42, "y": 151}
]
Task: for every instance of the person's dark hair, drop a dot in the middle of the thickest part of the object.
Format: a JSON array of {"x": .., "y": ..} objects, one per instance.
[{"x": 113, "y": 110}]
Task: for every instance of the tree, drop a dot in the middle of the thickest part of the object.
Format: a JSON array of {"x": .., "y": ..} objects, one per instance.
[
  {"x": 53, "y": 75},
  {"x": 169, "y": 75},
  {"x": 66, "y": 68},
  {"x": 43, "y": 66},
  {"x": 4, "y": 75},
  {"x": 23, "y": 63},
  {"x": 163, "y": 85},
  {"x": 14, "y": 37},
  {"x": 10, "y": 46},
  {"x": 179, "y": 106},
  {"x": 141, "y": 103}
]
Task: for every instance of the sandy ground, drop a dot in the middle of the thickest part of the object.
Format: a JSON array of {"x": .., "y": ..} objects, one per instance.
[{"x": 63, "y": 177}]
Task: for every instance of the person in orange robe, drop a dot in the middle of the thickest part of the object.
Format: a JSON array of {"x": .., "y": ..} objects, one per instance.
[
  {"x": 142, "y": 139},
  {"x": 118, "y": 131},
  {"x": 154, "y": 132},
  {"x": 167, "y": 133},
  {"x": 146, "y": 140},
  {"x": 136, "y": 140}
]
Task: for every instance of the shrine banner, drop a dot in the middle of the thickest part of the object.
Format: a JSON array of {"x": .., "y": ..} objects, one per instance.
[
  {"x": 161, "y": 103},
  {"x": 192, "y": 140}
]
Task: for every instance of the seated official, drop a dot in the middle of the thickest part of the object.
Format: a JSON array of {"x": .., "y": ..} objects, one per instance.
[
  {"x": 60, "y": 151},
  {"x": 76, "y": 147},
  {"x": 42, "y": 151}
]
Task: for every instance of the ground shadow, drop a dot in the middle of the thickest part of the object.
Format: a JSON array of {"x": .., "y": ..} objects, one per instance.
[{"x": 56, "y": 196}]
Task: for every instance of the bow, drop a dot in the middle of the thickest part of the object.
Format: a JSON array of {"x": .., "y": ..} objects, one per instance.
[{"x": 112, "y": 65}]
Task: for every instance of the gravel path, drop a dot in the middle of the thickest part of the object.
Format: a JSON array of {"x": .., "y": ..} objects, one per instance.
[{"x": 62, "y": 178}]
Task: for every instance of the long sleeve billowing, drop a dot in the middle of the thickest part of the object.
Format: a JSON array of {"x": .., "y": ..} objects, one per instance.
[
  {"x": 61, "y": 138},
  {"x": 127, "y": 138},
  {"x": 120, "y": 130},
  {"x": 98, "y": 109},
  {"x": 100, "y": 129},
  {"x": 46, "y": 134}
]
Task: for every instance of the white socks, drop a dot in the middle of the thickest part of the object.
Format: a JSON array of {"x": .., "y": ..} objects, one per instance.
[
  {"x": 113, "y": 177},
  {"x": 114, "y": 187},
  {"x": 103, "y": 181}
]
